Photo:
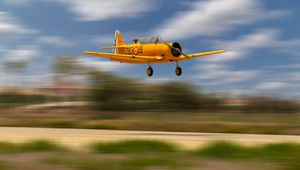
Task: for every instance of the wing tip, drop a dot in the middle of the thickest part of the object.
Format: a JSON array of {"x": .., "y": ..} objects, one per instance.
[{"x": 86, "y": 52}]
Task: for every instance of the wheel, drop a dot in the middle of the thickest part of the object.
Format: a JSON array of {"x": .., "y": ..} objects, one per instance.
[
  {"x": 149, "y": 71},
  {"x": 178, "y": 71}
]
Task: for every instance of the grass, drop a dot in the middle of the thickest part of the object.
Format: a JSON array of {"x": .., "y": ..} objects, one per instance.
[
  {"x": 133, "y": 146},
  {"x": 150, "y": 161},
  {"x": 89, "y": 163},
  {"x": 214, "y": 117},
  {"x": 181, "y": 126},
  {"x": 160, "y": 121},
  {"x": 40, "y": 146},
  {"x": 129, "y": 163},
  {"x": 228, "y": 150},
  {"x": 6, "y": 147},
  {"x": 3, "y": 165},
  {"x": 224, "y": 149},
  {"x": 61, "y": 123},
  {"x": 288, "y": 154},
  {"x": 284, "y": 156},
  {"x": 144, "y": 154},
  {"x": 33, "y": 146}
]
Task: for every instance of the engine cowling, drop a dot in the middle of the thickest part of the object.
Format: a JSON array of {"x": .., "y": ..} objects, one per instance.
[{"x": 176, "y": 49}]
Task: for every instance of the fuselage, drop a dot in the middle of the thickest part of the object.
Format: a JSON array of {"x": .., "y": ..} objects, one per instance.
[{"x": 153, "y": 49}]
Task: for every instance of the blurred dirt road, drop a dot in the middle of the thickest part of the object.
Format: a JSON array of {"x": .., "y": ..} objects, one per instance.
[{"x": 77, "y": 138}]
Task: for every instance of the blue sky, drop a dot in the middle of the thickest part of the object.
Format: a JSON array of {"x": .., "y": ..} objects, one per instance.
[{"x": 261, "y": 37}]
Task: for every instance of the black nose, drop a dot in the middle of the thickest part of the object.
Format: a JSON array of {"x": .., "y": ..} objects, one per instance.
[{"x": 176, "y": 49}]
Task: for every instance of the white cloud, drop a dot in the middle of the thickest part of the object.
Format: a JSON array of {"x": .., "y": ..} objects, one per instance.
[
  {"x": 262, "y": 39},
  {"x": 292, "y": 76},
  {"x": 158, "y": 80},
  {"x": 97, "y": 10},
  {"x": 22, "y": 54},
  {"x": 214, "y": 17},
  {"x": 103, "y": 65},
  {"x": 215, "y": 69},
  {"x": 10, "y": 27},
  {"x": 235, "y": 93},
  {"x": 239, "y": 48},
  {"x": 222, "y": 74},
  {"x": 273, "y": 85},
  {"x": 55, "y": 41}
]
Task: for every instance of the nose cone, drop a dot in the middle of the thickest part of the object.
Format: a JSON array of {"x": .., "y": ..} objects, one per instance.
[{"x": 176, "y": 49}]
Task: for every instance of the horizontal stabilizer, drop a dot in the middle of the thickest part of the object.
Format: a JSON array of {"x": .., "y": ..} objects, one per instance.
[{"x": 113, "y": 47}]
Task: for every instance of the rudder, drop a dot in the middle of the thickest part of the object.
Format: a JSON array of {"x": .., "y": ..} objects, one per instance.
[{"x": 119, "y": 39}]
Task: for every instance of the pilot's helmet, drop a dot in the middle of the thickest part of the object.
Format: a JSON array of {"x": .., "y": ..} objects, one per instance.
[{"x": 157, "y": 39}]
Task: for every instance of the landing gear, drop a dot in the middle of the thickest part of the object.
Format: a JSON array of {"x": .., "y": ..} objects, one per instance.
[
  {"x": 149, "y": 71},
  {"x": 178, "y": 71}
]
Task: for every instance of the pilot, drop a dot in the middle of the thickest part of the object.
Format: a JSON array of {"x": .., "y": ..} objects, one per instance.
[
  {"x": 156, "y": 40},
  {"x": 135, "y": 41}
]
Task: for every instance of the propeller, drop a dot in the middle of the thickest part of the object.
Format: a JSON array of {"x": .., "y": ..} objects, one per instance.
[{"x": 176, "y": 49}]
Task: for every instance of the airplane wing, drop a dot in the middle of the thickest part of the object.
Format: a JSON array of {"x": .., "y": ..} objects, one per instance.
[
  {"x": 189, "y": 56},
  {"x": 123, "y": 56}
]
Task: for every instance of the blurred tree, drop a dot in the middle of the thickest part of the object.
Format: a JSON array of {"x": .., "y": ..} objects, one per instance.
[
  {"x": 178, "y": 96},
  {"x": 10, "y": 99},
  {"x": 15, "y": 70},
  {"x": 209, "y": 102},
  {"x": 65, "y": 67},
  {"x": 270, "y": 105},
  {"x": 68, "y": 65},
  {"x": 110, "y": 92},
  {"x": 183, "y": 96}
]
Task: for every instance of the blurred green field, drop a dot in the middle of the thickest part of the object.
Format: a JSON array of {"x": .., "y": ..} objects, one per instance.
[
  {"x": 109, "y": 101},
  {"x": 142, "y": 154},
  {"x": 32, "y": 146},
  {"x": 155, "y": 121}
]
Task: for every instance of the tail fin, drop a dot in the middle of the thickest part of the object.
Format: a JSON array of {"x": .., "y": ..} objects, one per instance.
[{"x": 119, "y": 39}]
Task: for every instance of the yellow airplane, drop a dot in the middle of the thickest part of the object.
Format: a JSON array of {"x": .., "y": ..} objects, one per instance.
[{"x": 148, "y": 51}]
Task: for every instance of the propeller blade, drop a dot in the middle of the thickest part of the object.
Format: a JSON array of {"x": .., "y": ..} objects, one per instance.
[{"x": 176, "y": 49}]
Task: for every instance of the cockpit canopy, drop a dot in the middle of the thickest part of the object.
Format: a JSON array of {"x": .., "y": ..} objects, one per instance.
[{"x": 149, "y": 40}]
